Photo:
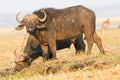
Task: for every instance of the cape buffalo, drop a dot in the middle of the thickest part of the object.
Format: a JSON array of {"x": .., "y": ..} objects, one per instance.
[
  {"x": 33, "y": 50},
  {"x": 49, "y": 25}
]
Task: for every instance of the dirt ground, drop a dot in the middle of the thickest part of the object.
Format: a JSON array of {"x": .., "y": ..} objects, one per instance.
[{"x": 68, "y": 66}]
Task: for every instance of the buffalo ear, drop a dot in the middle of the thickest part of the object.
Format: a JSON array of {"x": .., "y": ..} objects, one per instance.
[
  {"x": 39, "y": 26},
  {"x": 19, "y": 27}
]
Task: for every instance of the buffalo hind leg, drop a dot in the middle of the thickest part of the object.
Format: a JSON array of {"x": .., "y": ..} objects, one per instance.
[
  {"x": 89, "y": 40},
  {"x": 98, "y": 41}
]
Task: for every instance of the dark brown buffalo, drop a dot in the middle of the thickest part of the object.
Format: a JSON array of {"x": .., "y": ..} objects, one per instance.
[
  {"x": 49, "y": 25},
  {"x": 33, "y": 50}
]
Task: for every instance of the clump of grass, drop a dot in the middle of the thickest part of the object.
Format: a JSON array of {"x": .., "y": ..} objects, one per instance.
[
  {"x": 99, "y": 62},
  {"x": 56, "y": 66},
  {"x": 117, "y": 58}
]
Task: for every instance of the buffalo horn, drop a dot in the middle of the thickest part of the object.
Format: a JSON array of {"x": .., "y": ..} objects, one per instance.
[
  {"x": 45, "y": 16},
  {"x": 17, "y": 19}
]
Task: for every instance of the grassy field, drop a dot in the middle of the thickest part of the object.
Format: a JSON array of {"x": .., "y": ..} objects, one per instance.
[{"x": 68, "y": 66}]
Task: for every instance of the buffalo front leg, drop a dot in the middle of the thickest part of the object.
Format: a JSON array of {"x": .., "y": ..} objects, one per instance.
[
  {"x": 53, "y": 49},
  {"x": 44, "y": 52},
  {"x": 79, "y": 45}
]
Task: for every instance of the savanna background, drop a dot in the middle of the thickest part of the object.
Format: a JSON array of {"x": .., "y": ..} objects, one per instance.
[{"x": 68, "y": 66}]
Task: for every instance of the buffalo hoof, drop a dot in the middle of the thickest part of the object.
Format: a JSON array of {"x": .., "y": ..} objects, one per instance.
[
  {"x": 88, "y": 53},
  {"x": 54, "y": 58},
  {"x": 103, "y": 52},
  {"x": 80, "y": 52},
  {"x": 49, "y": 59},
  {"x": 44, "y": 60}
]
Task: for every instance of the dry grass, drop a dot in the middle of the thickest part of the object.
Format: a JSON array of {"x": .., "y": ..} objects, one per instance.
[{"x": 68, "y": 66}]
